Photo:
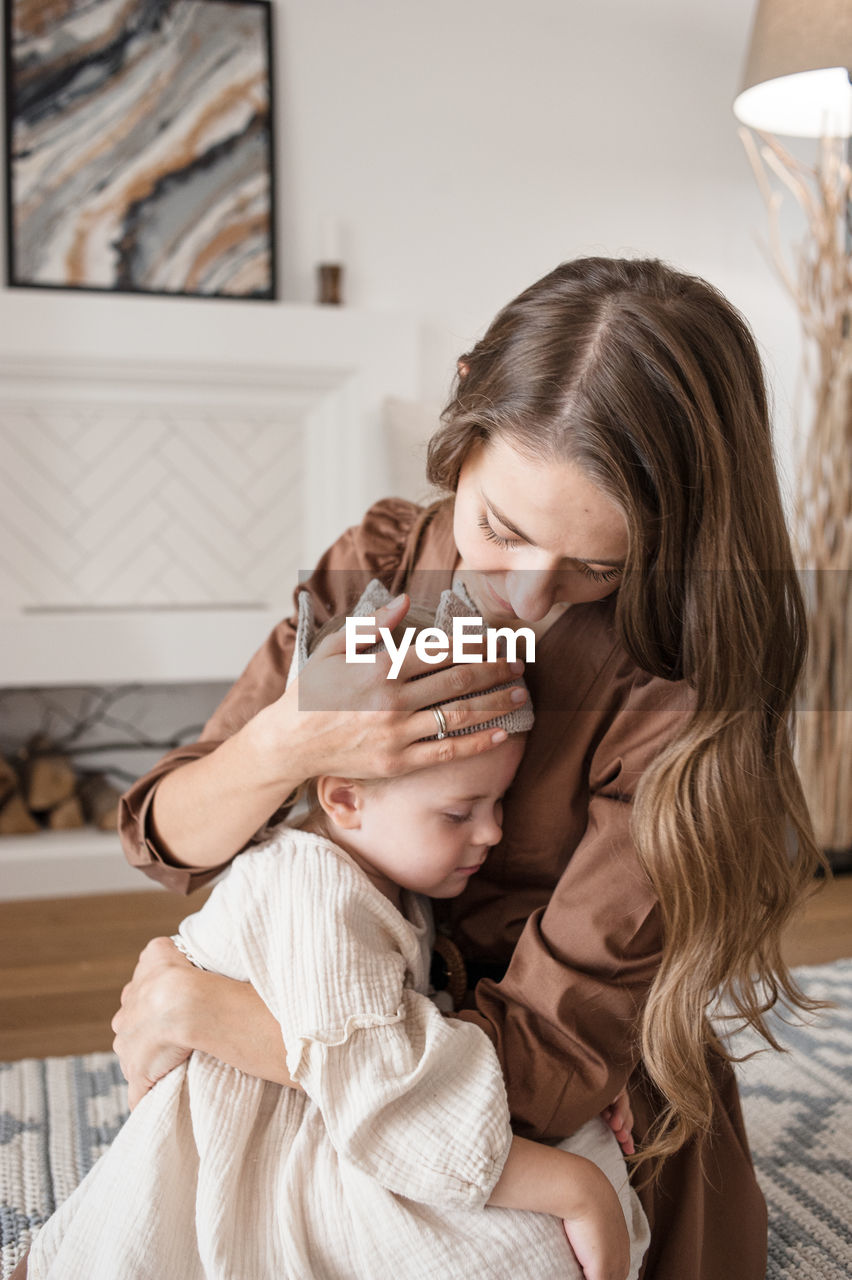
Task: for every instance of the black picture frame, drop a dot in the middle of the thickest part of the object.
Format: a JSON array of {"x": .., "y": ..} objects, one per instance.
[{"x": 140, "y": 148}]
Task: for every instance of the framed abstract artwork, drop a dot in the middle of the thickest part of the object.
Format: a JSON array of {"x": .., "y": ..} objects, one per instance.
[{"x": 140, "y": 147}]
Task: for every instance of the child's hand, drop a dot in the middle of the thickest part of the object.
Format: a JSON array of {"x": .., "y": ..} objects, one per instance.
[
  {"x": 597, "y": 1233},
  {"x": 548, "y": 1180},
  {"x": 619, "y": 1116}
]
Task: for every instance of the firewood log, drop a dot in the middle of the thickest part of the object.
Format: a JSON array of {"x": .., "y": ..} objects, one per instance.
[
  {"x": 15, "y": 817},
  {"x": 67, "y": 815},
  {"x": 8, "y": 779},
  {"x": 50, "y": 777},
  {"x": 100, "y": 802}
]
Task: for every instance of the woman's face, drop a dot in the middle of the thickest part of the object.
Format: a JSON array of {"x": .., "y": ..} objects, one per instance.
[{"x": 534, "y": 535}]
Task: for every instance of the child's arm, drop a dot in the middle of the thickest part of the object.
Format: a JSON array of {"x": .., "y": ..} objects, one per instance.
[{"x": 546, "y": 1180}]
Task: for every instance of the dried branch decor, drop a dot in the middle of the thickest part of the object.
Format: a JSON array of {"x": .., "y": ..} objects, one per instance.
[{"x": 819, "y": 280}]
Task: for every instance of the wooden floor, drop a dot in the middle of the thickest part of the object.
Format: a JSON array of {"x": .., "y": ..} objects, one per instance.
[{"x": 64, "y": 961}]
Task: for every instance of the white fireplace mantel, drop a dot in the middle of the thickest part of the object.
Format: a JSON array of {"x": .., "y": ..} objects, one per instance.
[{"x": 168, "y": 470}]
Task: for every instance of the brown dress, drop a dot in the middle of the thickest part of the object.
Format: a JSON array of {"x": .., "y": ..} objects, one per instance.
[{"x": 562, "y": 900}]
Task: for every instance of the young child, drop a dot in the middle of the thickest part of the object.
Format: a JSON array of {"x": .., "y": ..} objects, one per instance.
[{"x": 392, "y": 1155}]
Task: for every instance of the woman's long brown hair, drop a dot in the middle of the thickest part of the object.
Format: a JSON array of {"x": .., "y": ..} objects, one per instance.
[{"x": 651, "y": 382}]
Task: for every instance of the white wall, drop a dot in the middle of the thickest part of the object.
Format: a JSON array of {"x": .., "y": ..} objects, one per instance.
[
  {"x": 470, "y": 145},
  {"x": 467, "y": 146}
]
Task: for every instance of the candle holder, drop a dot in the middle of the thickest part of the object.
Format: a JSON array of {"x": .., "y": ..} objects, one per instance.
[{"x": 330, "y": 284}]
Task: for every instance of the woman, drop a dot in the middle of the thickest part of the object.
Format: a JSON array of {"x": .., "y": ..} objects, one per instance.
[{"x": 609, "y": 451}]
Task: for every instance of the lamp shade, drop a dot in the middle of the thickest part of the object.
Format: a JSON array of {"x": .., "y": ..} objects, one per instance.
[{"x": 796, "y": 80}]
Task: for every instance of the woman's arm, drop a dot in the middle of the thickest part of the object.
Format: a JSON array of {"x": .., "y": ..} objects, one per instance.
[
  {"x": 206, "y": 811},
  {"x": 203, "y": 798},
  {"x": 202, "y": 803},
  {"x": 544, "y": 1179}
]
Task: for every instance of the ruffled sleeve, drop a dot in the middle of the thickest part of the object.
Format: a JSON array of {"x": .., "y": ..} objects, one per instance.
[
  {"x": 412, "y": 1099},
  {"x": 376, "y": 548}
]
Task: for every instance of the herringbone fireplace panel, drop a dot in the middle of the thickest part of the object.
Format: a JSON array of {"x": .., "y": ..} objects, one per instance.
[{"x": 114, "y": 506}]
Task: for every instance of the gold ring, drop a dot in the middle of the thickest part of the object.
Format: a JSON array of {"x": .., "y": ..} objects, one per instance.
[{"x": 442, "y": 724}]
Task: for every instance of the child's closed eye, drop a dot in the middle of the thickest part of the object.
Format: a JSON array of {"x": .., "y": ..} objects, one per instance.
[{"x": 457, "y": 817}]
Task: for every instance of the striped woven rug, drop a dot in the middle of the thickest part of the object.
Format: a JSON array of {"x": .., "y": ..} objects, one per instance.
[
  {"x": 57, "y": 1115},
  {"x": 798, "y": 1110}
]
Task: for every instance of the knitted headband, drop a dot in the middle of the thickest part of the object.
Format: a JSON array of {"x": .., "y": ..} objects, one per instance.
[{"x": 453, "y": 604}]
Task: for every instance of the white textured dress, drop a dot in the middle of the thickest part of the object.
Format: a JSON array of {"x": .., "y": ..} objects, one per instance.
[{"x": 379, "y": 1170}]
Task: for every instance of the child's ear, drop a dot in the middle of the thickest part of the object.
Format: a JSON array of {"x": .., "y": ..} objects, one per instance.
[{"x": 342, "y": 800}]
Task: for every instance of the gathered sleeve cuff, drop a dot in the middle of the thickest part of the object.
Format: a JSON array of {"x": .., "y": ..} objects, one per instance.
[
  {"x": 414, "y": 1100},
  {"x": 135, "y": 830}
]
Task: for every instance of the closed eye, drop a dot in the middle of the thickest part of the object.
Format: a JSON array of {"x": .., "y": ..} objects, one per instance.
[
  {"x": 511, "y": 544},
  {"x": 600, "y": 575},
  {"x": 457, "y": 817},
  {"x": 503, "y": 543}
]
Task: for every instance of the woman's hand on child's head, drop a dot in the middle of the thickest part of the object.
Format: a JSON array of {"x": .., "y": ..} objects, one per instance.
[
  {"x": 619, "y": 1117},
  {"x": 348, "y": 718},
  {"x": 148, "y": 1022}
]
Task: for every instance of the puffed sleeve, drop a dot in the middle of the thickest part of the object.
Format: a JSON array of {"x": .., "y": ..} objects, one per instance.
[
  {"x": 564, "y": 1020},
  {"x": 411, "y": 1098},
  {"x": 373, "y": 549}
]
